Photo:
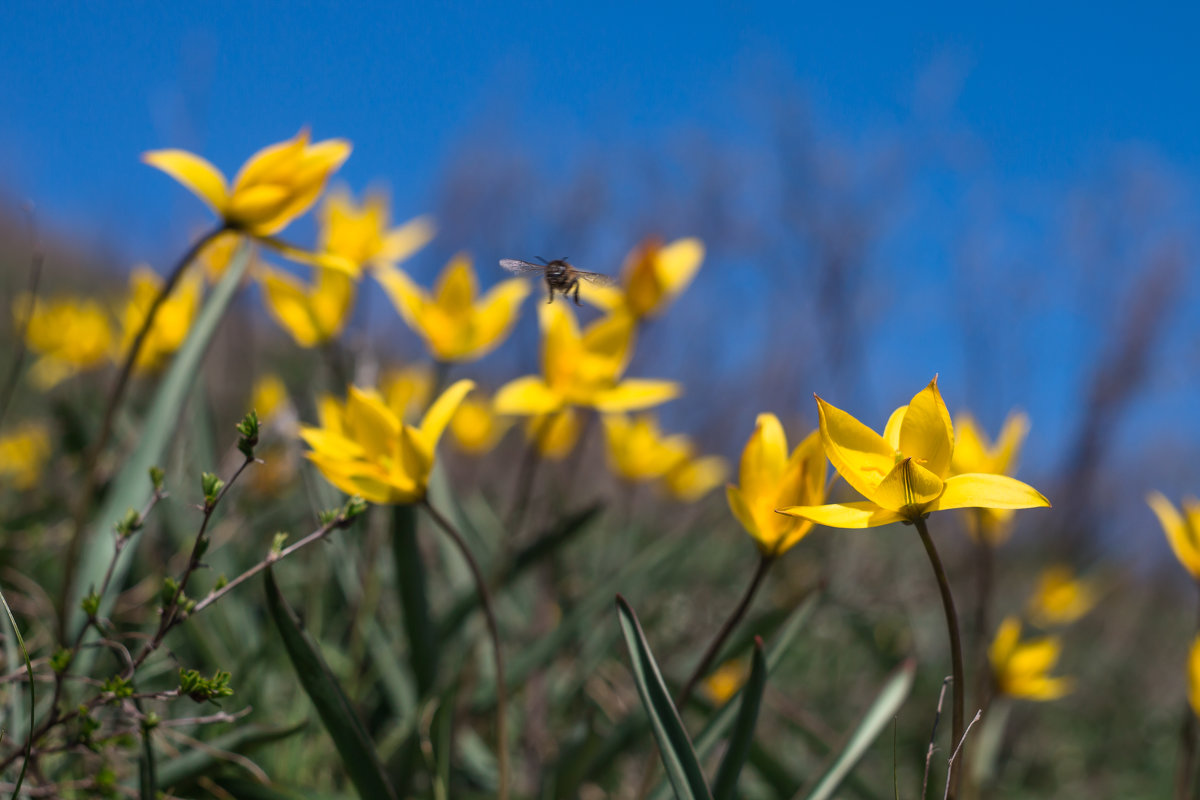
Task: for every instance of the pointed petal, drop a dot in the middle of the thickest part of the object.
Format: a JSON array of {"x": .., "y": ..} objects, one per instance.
[
  {"x": 764, "y": 459},
  {"x": 907, "y": 488},
  {"x": 860, "y": 514},
  {"x": 741, "y": 510},
  {"x": 287, "y": 302},
  {"x": 926, "y": 434},
  {"x": 635, "y": 395},
  {"x": 805, "y": 477},
  {"x": 496, "y": 313},
  {"x": 414, "y": 458},
  {"x": 198, "y": 175},
  {"x": 528, "y": 395},
  {"x": 970, "y": 447},
  {"x": 456, "y": 287},
  {"x": 407, "y": 297},
  {"x": 1179, "y": 534},
  {"x": 312, "y": 258},
  {"x": 271, "y": 160},
  {"x": 605, "y": 298},
  {"x": 891, "y": 431},
  {"x": 859, "y": 454},
  {"x": 1004, "y": 643},
  {"x": 401, "y": 242},
  {"x": 439, "y": 414},
  {"x": 677, "y": 264},
  {"x": 1008, "y": 443},
  {"x": 984, "y": 490},
  {"x": 370, "y": 423}
]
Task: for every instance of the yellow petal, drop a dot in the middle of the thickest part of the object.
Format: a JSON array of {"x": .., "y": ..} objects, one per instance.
[
  {"x": 528, "y": 395},
  {"x": 691, "y": 479},
  {"x": 408, "y": 298},
  {"x": 926, "y": 434},
  {"x": 677, "y": 264},
  {"x": 605, "y": 298},
  {"x": 287, "y": 302},
  {"x": 354, "y": 477},
  {"x": 1193, "y": 671},
  {"x": 609, "y": 345},
  {"x": 400, "y": 243},
  {"x": 271, "y": 160},
  {"x": 970, "y": 447},
  {"x": 330, "y": 443},
  {"x": 982, "y": 490},
  {"x": 1008, "y": 444},
  {"x": 1179, "y": 534},
  {"x": 803, "y": 482},
  {"x": 198, "y": 175},
  {"x": 741, "y": 510},
  {"x": 764, "y": 459},
  {"x": 634, "y": 395},
  {"x": 370, "y": 423},
  {"x": 439, "y": 414},
  {"x": 1004, "y": 643},
  {"x": 908, "y": 488},
  {"x": 860, "y": 514},
  {"x": 555, "y": 434},
  {"x": 457, "y": 287},
  {"x": 891, "y": 431},
  {"x": 496, "y": 313},
  {"x": 859, "y": 454},
  {"x": 414, "y": 456}
]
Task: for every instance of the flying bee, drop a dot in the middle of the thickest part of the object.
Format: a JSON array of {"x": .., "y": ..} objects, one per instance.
[{"x": 560, "y": 275}]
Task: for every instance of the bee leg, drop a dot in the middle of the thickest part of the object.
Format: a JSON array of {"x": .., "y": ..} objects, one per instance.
[
  {"x": 575, "y": 284},
  {"x": 551, "y": 290}
]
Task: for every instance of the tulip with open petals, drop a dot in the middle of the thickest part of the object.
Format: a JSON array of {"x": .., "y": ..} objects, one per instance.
[
  {"x": 312, "y": 313},
  {"x": 360, "y": 234},
  {"x": 1021, "y": 669},
  {"x": 69, "y": 335},
  {"x": 637, "y": 449},
  {"x": 653, "y": 276}
]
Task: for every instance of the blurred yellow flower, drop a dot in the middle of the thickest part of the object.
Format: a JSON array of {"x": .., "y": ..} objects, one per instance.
[
  {"x": 277, "y": 184},
  {"x": 23, "y": 455},
  {"x": 554, "y": 434},
  {"x": 312, "y": 313},
  {"x": 692, "y": 478},
  {"x": 725, "y": 681},
  {"x": 408, "y": 390},
  {"x": 637, "y": 450},
  {"x": 269, "y": 396},
  {"x": 973, "y": 453},
  {"x": 653, "y": 276},
  {"x": 769, "y": 478},
  {"x": 455, "y": 325},
  {"x": 1021, "y": 669},
  {"x": 363, "y": 448},
  {"x": 1182, "y": 529},
  {"x": 69, "y": 335},
  {"x": 359, "y": 233},
  {"x": 216, "y": 256},
  {"x": 1193, "y": 675},
  {"x": 1060, "y": 598},
  {"x": 171, "y": 323},
  {"x": 906, "y": 473},
  {"x": 476, "y": 428},
  {"x": 583, "y": 369}
]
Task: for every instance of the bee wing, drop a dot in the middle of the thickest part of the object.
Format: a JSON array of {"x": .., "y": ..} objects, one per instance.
[
  {"x": 520, "y": 267},
  {"x": 596, "y": 278}
]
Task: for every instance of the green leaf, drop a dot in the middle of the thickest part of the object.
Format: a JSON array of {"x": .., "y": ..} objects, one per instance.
[
  {"x": 725, "y": 785},
  {"x": 194, "y": 763},
  {"x": 674, "y": 746},
  {"x": 873, "y": 723},
  {"x": 414, "y": 599},
  {"x": 32, "y": 694},
  {"x": 131, "y": 488},
  {"x": 349, "y": 737}
]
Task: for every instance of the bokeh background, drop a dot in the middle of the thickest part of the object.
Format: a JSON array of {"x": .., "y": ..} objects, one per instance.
[{"x": 1006, "y": 197}]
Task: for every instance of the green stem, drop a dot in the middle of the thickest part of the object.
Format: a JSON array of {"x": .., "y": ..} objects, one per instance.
[{"x": 956, "y": 657}]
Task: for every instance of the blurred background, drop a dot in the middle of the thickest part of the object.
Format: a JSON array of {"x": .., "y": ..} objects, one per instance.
[{"x": 1004, "y": 197}]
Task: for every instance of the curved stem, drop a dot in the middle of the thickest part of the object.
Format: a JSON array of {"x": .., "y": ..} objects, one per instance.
[
  {"x": 956, "y": 658},
  {"x": 485, "y": 599}
]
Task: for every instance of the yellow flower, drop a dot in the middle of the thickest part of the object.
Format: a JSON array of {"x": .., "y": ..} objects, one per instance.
[
  {"x": 1060, "y": 598},
  {"x": 637, "y": 450},
  {"x": 692, "y": 478},
  {"x": 973, "y": 453},
  {"x": 476, "y": 428},
  {"x": 583, "y": 369},
  {"x": 554, "y": 434},
  {"x": 408, "y": 390},
  {"x": 653, "y": 276},
  {"x": 454, "y": 324},
  {"x": 725, "y": 681},
  {"x": 1021, "y": 669},
  {"x": 171, "y": 323},
  {"x": 363, "y": 448},
  {"x": 1182, "y": 529},
  {"x": 360, "y": 234},
  {"x": 768, "y": 478},
  {"x": 1194, "y": 676},
  {"x": 23, "y": 455},
  {"x": 69, "y": 335},
  {"x": 905, "y": 474},
  {"x": 312, "y": 314},
  {"x": 277, "y": 184}
]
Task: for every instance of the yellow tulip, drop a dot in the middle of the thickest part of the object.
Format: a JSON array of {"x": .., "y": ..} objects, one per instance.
[
  {"x": 554, "y": 434},
  {"x": 69, "y": 335},
  {"x": 583, "y": 369},
  {"x": 692, "y": 478},
  {"x": 312, "y": 314},
  {"x": 1182, "y": 529},
  {"x": 1021, "y": 669},
  {"x": 23, "y": 455},
  {"x": 364, "y": 448},
  {"x": 1060, "y": 598},
  {"x": 454, "y": 324},
  {"x": 476, "y": 428},
  {"x": 906, "y": 473},
  {"x": 1193, "y": 670},
  {"x": 653, "y": 276},
  {"x": 277, "y": 184},
  {"x": 637, "y": 450},
  {"x": 171, "y": 323},
  {"x": 769, "y": 478},
  {"x": 408, "y": 390},
  {"x": 360, "y": 234},
  {"x": 973, "y": 453}
]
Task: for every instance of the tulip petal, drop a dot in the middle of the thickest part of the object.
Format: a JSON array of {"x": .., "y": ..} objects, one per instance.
[
  {"x": 984, "y": 490},
  {"x": 456, "y": 286},
  {"x": 859, "y": 454},
  {"x": 496, "y": 313},
  {"x": 401, "y": 242},
  {"x": 1179, "y": 534},
  {"x": 891, "y": 431},
  {"x": 271, "y": 160},
  {"x": 741, "y": 510},
  {"x": 414, "y": 457},
  {"x": 1008, "y": 443},
  {"x": 926, "y": 433},
  {"x": 634, "y": 395},
  {"x": 677, "y": 264},
  {"x": 907, "y": 488},
  {"x": 439, "y": 414},
  {"x": 804, "y": 480},
  {"x": 198, "y": 175},
  {"x": 287, "y": 302},
  {"x": 605, "y": 298},
  {"x": 407, "y": 297},
  {"x": 528, "y": 395},
  {"x": 859, "y": 514},
  {"x": 330, "y": 443},
  {"x": 370, "y": 423},
  {"x": 970, "y": 447},
  {"x": 353, "y": 478},
  {"x": 764, "y": 459}
]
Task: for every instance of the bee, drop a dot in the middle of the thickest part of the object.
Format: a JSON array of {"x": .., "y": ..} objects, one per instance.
[{"x": 560, "y": 275}]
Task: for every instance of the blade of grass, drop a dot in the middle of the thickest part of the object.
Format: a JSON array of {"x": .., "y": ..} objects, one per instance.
[
  {"x": 725, "y": 784},
  {"x": 32, "y": 695},
  {"x": 674, "y": 746},
  {"x": 349, "y": 737}
]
